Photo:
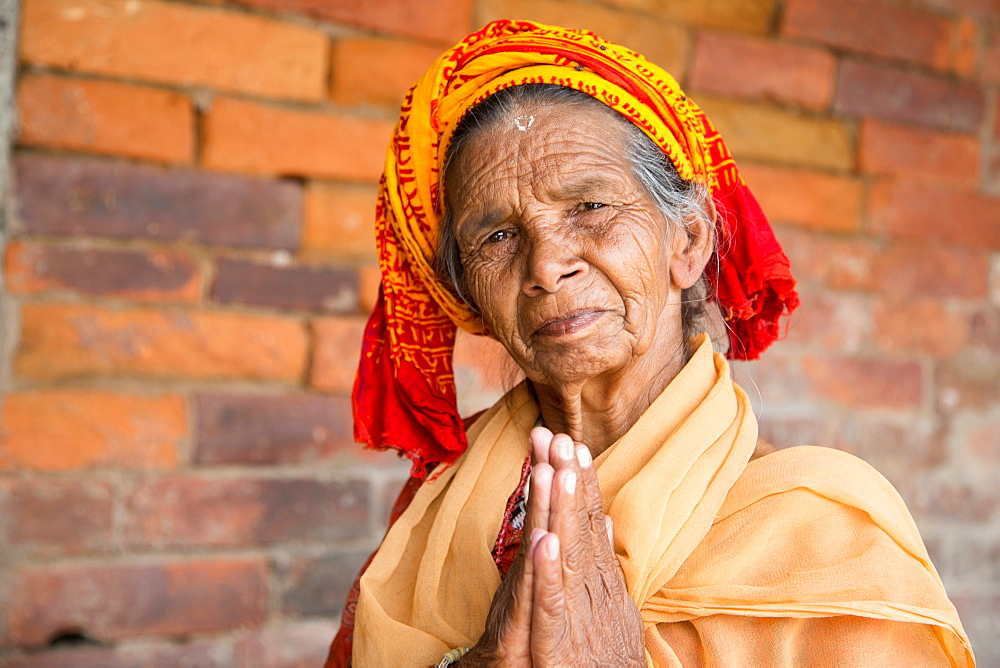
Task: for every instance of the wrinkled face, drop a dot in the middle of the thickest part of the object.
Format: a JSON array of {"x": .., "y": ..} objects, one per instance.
[{"x": 564, "y": 251}]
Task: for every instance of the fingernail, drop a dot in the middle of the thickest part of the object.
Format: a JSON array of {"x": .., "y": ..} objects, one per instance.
[
  {"x": 565, "y": 449},
  {"x": 583, "y": 456},
  {"x": 552, "y": 549},
  {"x": 569, "y": 483}
]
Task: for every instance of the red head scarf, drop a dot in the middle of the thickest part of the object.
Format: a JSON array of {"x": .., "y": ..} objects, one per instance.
[{"x": 404, "y": 395}]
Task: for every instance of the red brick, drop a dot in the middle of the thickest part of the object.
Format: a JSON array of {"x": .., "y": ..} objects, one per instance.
[
  {"x": 104, "y": 117},
  {"x": 984, "y": 329},
  {"x": 116, "y": 600},
  {"x": 899, "y": 95},
  {"x": 980, "y": 440},
  {"x": 840, "y": 263},
  {"x": 833, "y": 320},
  {"x": 272, "y": 429},
  {"x": 36, "y": 268},
  {"x": 298, "y": 645},
  {"x": 399, "y": 64},
  {"x": 872, "y": 27},
  {"x": 919, "y": 325},
  {"x": 768, "y": 134},
  {"x": 337, "y": 348},
  {"x": 318, "y": 584},
  {"x": 968, "y": 381},
  {"x": 444, "y": 21},
  {"x": 865, "y": 382},
  {"x": 51, "y": 517},
  {"x": 663, "y": 42},
  {"x": 181, "y": 45},
  {"x": 888, "y": 148},
  {"x": 757, "y": 68},
  {"x": 339, "y": 222},
  {"x": 991, "y": 58},
  {"x": 812, "y": 200},
  {"x": 369, "y": 286},
  {"x": 784, "y": 431},
  {"x": 744, "y": 15},
  {"x": 61, "y": 430},
  {"x": 931, "y": 271},
  {"x": 121, "y": 200},
  {"x": 244, "y": 136},
  {"x": 935, "y": 213},
  {"x": 956, "y": 498},
  {"x": 979, "y": 610},
  {"x": 67, "y": 341},
  {"x": 312, "y": 288},
  {"x": 898, "y": 448},
  {"x": 776, "y": 377},
  {"x": 185, "y": 511},
  {"x": 986, "y": 9},
  {"x": 966, "y": 51}
]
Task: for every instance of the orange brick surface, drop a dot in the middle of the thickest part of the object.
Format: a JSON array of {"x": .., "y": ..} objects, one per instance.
[
  {"x": 339, "y": 222},
  {"x": 248, "y": 137},
  {"x": 332, "y": 369},
  {"x": 181, "y": 45},
  {"x": 65, "y": 430},
  {"x": 74, "y": 341},
  {"x": 812, "y": 199},
  {"x": 399, "y": 64},
  {"x": 889, "y": 148},
  {"x": 104, "y": 117},
  {"x": 757, "y": 68}
]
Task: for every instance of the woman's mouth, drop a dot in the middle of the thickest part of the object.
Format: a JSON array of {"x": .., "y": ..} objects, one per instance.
[{"x": 569, "y": 323}]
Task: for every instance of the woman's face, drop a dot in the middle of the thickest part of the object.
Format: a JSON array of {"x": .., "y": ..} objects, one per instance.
[{"x": 564, "y": 251}]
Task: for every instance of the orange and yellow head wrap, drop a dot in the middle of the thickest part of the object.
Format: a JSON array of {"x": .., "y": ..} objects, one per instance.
[{"x": 404, "y": 395}]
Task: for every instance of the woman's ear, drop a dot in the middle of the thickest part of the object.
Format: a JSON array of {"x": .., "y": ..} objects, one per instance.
[{"x": 692, "y": 247}]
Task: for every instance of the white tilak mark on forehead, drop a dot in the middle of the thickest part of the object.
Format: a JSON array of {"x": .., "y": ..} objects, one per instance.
[{"x": 524, "y": 122}]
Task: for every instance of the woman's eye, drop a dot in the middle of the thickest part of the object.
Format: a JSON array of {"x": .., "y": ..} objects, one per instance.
[
  {"x": 588, "y": 206},
  {"x": 498, "y": 236}
]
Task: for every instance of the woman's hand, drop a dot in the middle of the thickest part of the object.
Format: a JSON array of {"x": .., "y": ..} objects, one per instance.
[
  {"x": 581, "y": 612},
  {"x": 564, "y": 600}
]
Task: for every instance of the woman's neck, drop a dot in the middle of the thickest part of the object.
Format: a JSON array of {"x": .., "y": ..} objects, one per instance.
[{"x": 598, "y": 411}]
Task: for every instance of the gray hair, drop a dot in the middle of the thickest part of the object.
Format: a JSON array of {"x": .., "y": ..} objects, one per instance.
[{"x": 681, "y": 202}]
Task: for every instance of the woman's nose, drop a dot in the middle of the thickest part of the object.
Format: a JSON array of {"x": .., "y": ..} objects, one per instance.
[{"x": 551, "y": 261}]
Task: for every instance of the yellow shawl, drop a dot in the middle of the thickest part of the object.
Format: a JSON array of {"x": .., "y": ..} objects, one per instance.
[{"x": 806, "y": 555}]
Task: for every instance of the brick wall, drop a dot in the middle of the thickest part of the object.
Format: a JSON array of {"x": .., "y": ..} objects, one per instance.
[{"x": 188, "y": 264}]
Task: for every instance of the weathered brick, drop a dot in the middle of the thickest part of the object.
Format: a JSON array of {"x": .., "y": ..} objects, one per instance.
[
  {"x": 784, "y": 431},
  {"x": 399, "y": 64},
  {"x": 839, "y": 263},
  {"x": 987, "y": 9},
  {"x": 245, "y": 136},
  {"x": 864, "y": 89},
  {"x": 776, "y": 378},
  {"x": 919, "y": 325},
  {"x": 935, "y": 213},
  {"x": 266, "y": 429},
  {"x": 339, "y": 222},
  {"x": 61, "y": 430},
  {"x": 931, "y": 271},
  {"x": 313, "y": 288},
  {"x": 51, "y": 517},
  {"x": 888, "y": 148},
  {"x": 980, "y": 441},
  {"x": 756, "y": 68},
  {"x": 968, "y": 381},
  {"x": 444, "y": 21},
  {"x": 958, "y": 497},
  {"x": 833, "y": 320},
  {"x": 116, "y": 600},
  {"x": 183, "y": 511},
  {"x": 984, "y": 329},
  {"x": 872, "y": 27},
  {"x": 743, "y": 15},
  {"x": 181, "y": 44},
  {"x": 369, "y": 285},
  {"x": 70, "y": 340},
  {"x": 991, "y": 58},
  {"x": 865, "y": 382},
  {"x": 104, "y": 117},
  {"x": 337, "y": 347},
  {"x": 813, "y": 200},
  {"x": 965, "y": 56},
  {"x": 318, "y": 585},
  {"x": 296, "y": 645},
  {"x": 663, "y": 42},
  {"x": 898, "y": 447},
  {"x": 144, "y": 654},
  {"x": 979, "y": 610},
  {"x": 36, "y": 268},
  {"x": 116, "y": 199},
  {"x": 483, "y": 370},
  {"x": 759, "y": 132}
]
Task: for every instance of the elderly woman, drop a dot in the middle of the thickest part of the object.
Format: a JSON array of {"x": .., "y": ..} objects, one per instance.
[{"x": 562, "y": 195}]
